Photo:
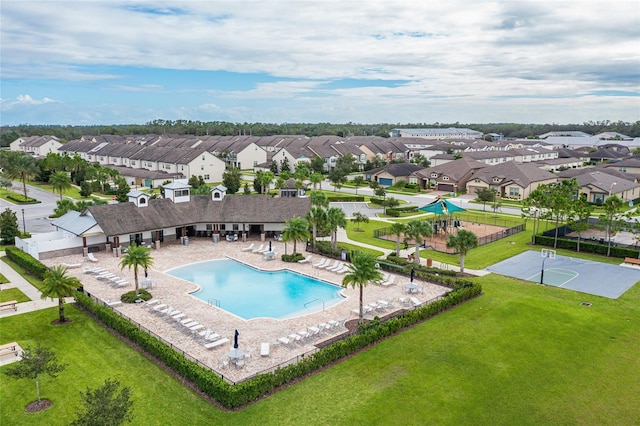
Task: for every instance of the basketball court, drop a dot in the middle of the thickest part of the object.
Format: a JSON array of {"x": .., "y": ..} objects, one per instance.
[{"x": 586, "y": 276}]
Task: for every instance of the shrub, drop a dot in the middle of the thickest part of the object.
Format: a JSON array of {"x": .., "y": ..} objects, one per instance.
[
  {"x": 26, "y": 261},
  {"x": 292, "y": 257},
  {"x": 131, "y": 297}
]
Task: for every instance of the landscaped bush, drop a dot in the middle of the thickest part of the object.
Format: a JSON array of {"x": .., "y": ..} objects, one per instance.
[
  {"x": 292, "y": 257},
  {"x": 26, "y": 261},
  {"x": 131, "y": 296},
  {"x": 20, "y": 199},
  {"x": 586, "y": 246},
  {"x": 378, "y": 201},
  {"x": 345, "y": 198},
  {"x": 324, "y": 248}
]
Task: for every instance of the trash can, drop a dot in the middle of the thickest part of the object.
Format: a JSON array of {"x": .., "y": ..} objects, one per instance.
[
  {"x": 185, "y": 241},
  {"x": 429, "y": 262},
  {"x": 343, "y": 255},
  {"x": 216, "y": 238}
]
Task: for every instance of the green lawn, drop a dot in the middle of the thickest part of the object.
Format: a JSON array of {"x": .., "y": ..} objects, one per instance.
[
  {"x": 520, "y": 354},
  {"x": 13, "y": 294}
]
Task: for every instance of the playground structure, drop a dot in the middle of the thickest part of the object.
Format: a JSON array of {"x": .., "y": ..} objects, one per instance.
[{"x": 448, "y": 219}]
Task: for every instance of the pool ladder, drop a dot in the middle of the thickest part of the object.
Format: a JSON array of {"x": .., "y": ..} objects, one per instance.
[
  {"x": 213, "y": 302},
  {"x": 314, "y": 300}
]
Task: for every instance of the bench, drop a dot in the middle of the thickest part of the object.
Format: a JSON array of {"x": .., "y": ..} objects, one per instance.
[
  {"x": 632, "y": 260},
  {"x": 9, "y": 348},
  {"x": 10, "y": 304}
]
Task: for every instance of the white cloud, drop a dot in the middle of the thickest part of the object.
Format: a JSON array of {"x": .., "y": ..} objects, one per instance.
[{"x": 477, "y": 51}]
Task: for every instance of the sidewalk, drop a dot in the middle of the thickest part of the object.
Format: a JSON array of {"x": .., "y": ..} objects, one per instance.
[
  {"x": 16, "y": 280},
  {"x": 342, "y": 237}
]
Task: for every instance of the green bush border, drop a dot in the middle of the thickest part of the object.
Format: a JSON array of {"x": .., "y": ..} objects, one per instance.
[
  {"x": 26, "y": 261},
  {"x": 586, "y": 246},
  {"x": 234, "y": 396}
]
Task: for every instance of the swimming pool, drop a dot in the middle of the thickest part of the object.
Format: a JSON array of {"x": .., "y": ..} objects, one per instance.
[{"x": 250, "y": 293}]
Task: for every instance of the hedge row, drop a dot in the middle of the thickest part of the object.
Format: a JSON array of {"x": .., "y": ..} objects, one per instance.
[
  {"x": 26, "y": 261},
  {"x": 396, "y": 211},
  {"x": 345, "y": 199},
  {"x": 234, "y": 396},
  {"x": 420, "y": 270},
  {"x": 20, "y": 199},
  {"x": 586, "y": 246}
]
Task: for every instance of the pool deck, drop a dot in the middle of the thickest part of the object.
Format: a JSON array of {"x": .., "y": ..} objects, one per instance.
[{"x": 175, "y": 292}]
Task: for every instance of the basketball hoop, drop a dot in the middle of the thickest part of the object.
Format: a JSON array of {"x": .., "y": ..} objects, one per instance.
[{"x": 546, "y": 254}]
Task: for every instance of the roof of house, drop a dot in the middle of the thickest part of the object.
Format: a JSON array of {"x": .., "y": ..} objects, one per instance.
[
  {"x": 522, "y": 174},
  {"x": 455, "y": 169},
  {"x": 396, "y": 169},
  {"x": 74, "y": 222},
  {"x": 605, "y": 182},
  {"x": 126, "y": 218}
]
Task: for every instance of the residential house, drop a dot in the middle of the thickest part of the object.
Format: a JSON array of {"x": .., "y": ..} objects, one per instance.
[
  {"x": 37, "y": 146},
  {"x": 392, "y": 173},
  {"x": 449, "y": 177},
  {"x": 510, "y": 179}
]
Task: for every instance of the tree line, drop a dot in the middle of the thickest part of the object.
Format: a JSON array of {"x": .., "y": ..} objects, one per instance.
[{"x": 221, "y": 128}]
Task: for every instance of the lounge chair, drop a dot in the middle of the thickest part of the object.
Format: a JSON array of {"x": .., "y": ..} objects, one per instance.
[
  {"x": 223, "y": 363},
  {"x": 259, "y": 249},
  {"x": 150, "y": 303},
  {"x": 336, "y": 267},
  {"x": 95, "y": 270},
  {"x": 71, "y": 265},
  {"x": 328, "y": 267},
  {"x": 264, "y": 349},
  {"x": 285, "y": 341},
  {"x": 389, "y": 282},
  {"x": 416, "y": 302},
  {"x": 321, "y": 263},
  {"x": 306, "y": 259},
  {"x": 217, "y": 343},
  {"x": 121, "y": 283},
  {"x": 248, "y": 248},
  {"x": 91, "y": 257},
  {"x": 104, "y": 277}
]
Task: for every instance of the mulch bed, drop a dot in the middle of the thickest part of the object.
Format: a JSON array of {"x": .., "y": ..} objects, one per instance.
[{"x": 36, "y": 406}]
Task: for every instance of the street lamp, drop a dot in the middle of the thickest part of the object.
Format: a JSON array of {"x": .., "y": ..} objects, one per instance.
[{"x": 24, "y": 226}]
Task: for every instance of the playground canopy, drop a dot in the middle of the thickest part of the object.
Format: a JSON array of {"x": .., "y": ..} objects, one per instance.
[{"x": 442, "y": 207}]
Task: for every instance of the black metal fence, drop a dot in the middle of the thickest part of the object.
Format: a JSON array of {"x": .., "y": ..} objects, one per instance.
[{"x": 289, "y": 361}]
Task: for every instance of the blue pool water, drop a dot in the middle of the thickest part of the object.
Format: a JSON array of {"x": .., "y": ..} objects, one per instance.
[{"x": 251, "y": 293}]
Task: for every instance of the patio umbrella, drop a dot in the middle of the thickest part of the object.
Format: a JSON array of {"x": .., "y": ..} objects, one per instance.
[
  {"x": 269, "y": 245},
  {"x": 235, "y": 340},
  {"x": 413, "y": 273}
]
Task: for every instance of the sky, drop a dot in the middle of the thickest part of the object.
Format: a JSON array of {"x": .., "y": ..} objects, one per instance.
[{"x": 131, "y": 62}]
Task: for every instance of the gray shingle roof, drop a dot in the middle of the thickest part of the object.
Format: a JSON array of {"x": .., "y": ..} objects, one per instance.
[{"x": 126, "y": 218}]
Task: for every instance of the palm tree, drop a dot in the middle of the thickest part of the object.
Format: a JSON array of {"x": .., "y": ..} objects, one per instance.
[
  {"x": 63, "y": 207},
  {"x": 335, "y": 219},
  {"x": 361, "y": 271},
  {"x": 319, "y": 198},
  {"x": 418, "y": 230},
  {"x": 22, "y": 167},
  {"x": 57, "y": 284},
  {"x": 60, "y": 182},
  {"x": 398, "y": 229},
  {"x": 316, "y": 216},
  {"x": 316, "y": 178},
  {"x": 136, "y": 257},
  {"x": 296, "y": 229},
  {"x": 462, "y": 243}
]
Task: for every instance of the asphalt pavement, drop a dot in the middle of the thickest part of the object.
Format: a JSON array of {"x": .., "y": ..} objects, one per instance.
[{"x": 33, "y": 217}]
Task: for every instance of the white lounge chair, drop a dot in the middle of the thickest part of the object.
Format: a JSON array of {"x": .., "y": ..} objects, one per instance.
[
  {"x": 336, "y": 268},
  {"x": 150, "y": 303},
  {"x": 91, "y": 257},
  {"x": 389, "y": 282},
  {"x": 264, "y": 349},
  {"x": 259, "y": 249},
  {"x": 306, "y": 260},
  {"x": 286, "y": 341},
  {"x": 415, "y": 301},
  {"x": 71, "y": 265},
  {"x": 248, "y": 248},
  {"x": 319, "y": 264},
  {"x": 327, "y": 266},
  {"x": 217, "y": 343}
]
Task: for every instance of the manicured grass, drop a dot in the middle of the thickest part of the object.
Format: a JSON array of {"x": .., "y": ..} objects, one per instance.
[
  {"x": 3, "y": 279},
  {"x": 365, "y": 236},
  {"x": 13, "y": 294},
  {"x": 520, "y": 354},
  {"x": 351, "y": 247}
]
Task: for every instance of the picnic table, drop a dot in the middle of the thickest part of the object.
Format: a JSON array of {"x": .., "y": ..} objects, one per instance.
[{"x": 11, "y": 304}]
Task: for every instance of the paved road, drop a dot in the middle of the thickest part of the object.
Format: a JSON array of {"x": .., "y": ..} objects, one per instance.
[{"x": 36, "y": 216}]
